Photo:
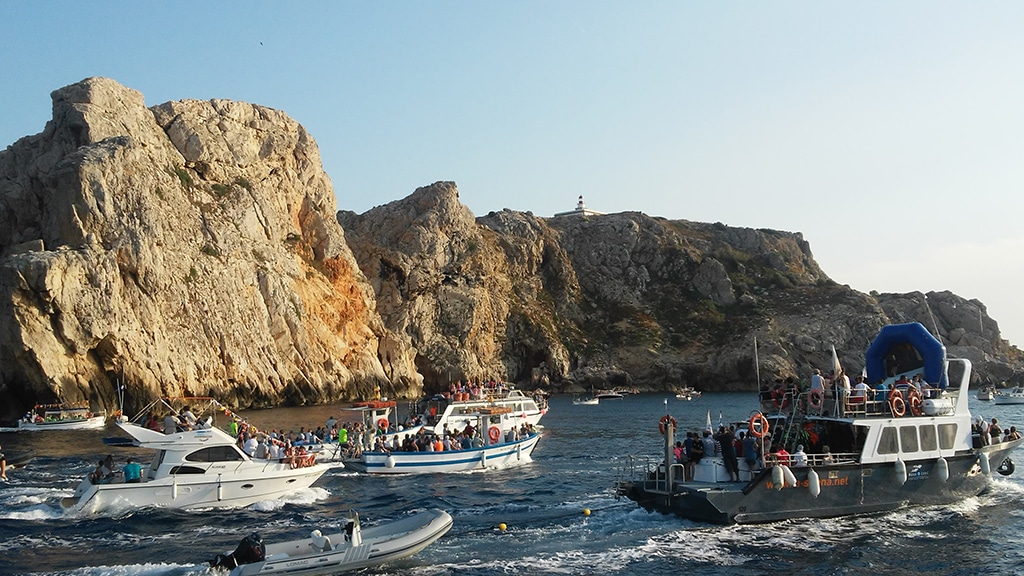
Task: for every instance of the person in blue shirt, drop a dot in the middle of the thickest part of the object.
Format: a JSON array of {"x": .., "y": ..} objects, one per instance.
[{"x": 132, "y": 471}]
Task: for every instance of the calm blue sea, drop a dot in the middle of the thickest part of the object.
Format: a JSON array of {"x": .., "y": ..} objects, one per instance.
[{"x": 575, "y": 466}]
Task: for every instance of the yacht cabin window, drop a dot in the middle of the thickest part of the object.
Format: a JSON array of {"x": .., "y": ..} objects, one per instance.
[
  {"x": 929, "y": 441},
  {"x": 947, "y": 436},
  {"x": 215, "y": 454},
  {"x": 908, "y": 439},
  {"x": 887, "y": 441}
]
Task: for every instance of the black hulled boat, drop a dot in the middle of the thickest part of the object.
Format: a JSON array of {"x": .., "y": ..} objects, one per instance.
[{"x": 885, "y": 450}]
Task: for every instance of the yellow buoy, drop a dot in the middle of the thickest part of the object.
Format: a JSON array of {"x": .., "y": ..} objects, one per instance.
[
  {"x": 502, "y": 526},
  {"x": 586, "y": 511}
]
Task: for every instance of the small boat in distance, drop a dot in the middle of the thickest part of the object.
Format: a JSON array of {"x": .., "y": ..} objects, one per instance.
[
  {"x": 986, "y": 392},
  {"x": 586, "y": 401},
  {"x": 864, "y": 453},
  {"x": 351, "y": 548},
  {"x": 76, "y": 416},
  {"x": 687, "y": 393},
  {"x": 1013, "y": 395},
  {"x": 609, "y": 394}
]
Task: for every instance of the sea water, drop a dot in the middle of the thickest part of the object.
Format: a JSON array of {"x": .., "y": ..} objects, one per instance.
[{"x": 581, "y": 454}]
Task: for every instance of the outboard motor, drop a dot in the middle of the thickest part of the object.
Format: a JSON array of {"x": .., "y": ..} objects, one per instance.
[{"x": 249, "y": 550}]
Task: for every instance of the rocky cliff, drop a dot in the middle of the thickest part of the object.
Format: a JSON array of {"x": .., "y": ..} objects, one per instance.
[
  {"x": 187, "y": 249},
  {"x": 629, "y": 300},
  {"x": 193, "y": 248}
]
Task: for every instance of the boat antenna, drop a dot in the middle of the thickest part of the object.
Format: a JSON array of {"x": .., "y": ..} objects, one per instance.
[
  {"x": 757, "y": 366},
  {"x": 120, "y": 395}
]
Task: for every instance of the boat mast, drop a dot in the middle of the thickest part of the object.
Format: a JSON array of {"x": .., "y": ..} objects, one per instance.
[{"x": 757, "y": 367}]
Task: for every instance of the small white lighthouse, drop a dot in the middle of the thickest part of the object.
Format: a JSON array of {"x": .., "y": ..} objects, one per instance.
[{"x": 581, "y": 210}]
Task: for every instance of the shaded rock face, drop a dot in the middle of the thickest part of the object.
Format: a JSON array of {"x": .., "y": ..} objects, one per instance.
[
  {"x": 187, "y": 249},
  {"x": 193, "y": 248}
]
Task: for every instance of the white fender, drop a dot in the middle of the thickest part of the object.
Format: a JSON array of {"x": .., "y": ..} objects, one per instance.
[
  {"x": 389, "y": 462},
  {"x": 986, "y": 468},
  {"x": 519, "y": 452},
  {"x": 483, "y": 459},
  {"x": 813, "y": 483},
  {"x": 174, "y": 488},
  {"x": 777, "y": 476},
  {"x": 942, "y": 467},
  {"x": 790, "y": 477},
  {"x": 220, "y": 489},
  {"x": 901, "y": 472}
]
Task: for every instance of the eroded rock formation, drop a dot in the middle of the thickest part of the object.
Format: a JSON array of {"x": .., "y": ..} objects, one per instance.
[
  {"x": 193, "y": 248},
  {"x": 190, "y": 248}
]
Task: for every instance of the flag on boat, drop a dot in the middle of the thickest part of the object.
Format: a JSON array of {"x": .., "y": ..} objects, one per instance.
[
  {"x": 836, "y": 368},
  {"x": 709, "y": 420},
  {"x": 720, "y": 420}
]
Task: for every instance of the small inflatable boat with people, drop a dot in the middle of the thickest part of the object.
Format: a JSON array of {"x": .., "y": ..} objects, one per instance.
[{"x": 352, "y": 547}]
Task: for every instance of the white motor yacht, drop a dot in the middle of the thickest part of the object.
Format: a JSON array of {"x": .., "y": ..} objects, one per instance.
[{"x": 193, "y": 469}]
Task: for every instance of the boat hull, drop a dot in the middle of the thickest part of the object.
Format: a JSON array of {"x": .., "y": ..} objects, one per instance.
[
  {"x": 1004, "y": 399},
  {"x": 94, "y": 423},
  {"x": 497, "y": 456},
  {"x": 380, "y": 544},
  {"x": 194, "y": 491},
  {"x": 845, "y": 489}
]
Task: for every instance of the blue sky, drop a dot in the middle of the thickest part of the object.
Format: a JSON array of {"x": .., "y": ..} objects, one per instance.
[{"x": 891, "y": 134}]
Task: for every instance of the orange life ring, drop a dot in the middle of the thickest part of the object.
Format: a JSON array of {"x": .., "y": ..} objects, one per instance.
[
  {"x": 897, "y": 405},
  {"x": 383, "y": 424},
  {"x": 779, "y": 397},
  {"x": 494, "y": 433},
  {"x": 914, "y": 402},
  {"x": 663, "y": 423},
  {"x": 758, "y": 425},
  {"x": 816, "y": 398}
]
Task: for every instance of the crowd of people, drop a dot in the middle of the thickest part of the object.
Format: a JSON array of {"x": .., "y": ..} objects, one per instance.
[
  {"x": 986, "y": 433},
  {"x": 468, "y": 438},
  {"x": 727, "y": 443},
  {"x": 739, "y": 446},
  {"x": 835, "y": 392}
]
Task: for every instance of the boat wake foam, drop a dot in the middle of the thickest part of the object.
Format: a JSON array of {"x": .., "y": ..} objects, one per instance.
[{"x": 301, "y": 497}]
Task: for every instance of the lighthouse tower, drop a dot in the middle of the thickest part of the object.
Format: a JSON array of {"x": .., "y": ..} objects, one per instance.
[{"x": 581, "y": 210}]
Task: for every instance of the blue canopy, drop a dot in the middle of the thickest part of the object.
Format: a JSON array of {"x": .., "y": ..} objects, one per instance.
[{"x": 892, "y": 343}]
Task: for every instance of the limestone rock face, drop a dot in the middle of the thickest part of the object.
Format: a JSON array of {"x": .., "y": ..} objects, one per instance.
[
  {"x": 194, "y": 248},
  {"x": 628, "y": 300},
  {"x": 465, "y": 296},
  {"x": 187, "y": 249}
]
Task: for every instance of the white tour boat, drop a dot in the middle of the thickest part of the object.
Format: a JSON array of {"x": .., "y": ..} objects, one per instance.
[
  {"x": 896, "y": 448},
  {"x": 493, "y": 441},
  {"x": 1009, "y": 396},
  {"x": 193, "y": 469},
  {"x": 351, "y": 548},
  {"x": 76, "y": 416}
]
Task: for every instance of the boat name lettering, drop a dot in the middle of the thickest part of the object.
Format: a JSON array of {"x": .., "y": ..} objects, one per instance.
[
  {"x": 824, "y": 483},
  {"x": 297, "y": 563}
]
